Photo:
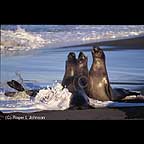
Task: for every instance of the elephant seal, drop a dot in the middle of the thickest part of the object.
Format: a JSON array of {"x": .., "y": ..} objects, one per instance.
[
  {"x": 17, "y": 86},
  {"x": 80, "y": 99},
  {"x": 81, "y": 76},
  {"x": 98, "y": 83},
  {"x": 75, "y": 79},
  {"x": 70, "y": 69}
]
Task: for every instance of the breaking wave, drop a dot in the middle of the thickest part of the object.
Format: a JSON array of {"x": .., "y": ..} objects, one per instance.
[
  {"x": 54, "y": 98},
  {"x": 27, "y": 37},
  {"x": 20, "y": 40}
]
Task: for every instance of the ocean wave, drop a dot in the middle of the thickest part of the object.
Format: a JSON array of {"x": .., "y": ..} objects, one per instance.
[
  {"x": 20, "y": 40},
  {"x": 55, "y": 98},
  {"x": 60, "y": 36}
]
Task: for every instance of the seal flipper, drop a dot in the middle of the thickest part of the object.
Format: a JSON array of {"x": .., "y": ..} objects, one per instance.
[
  {"x": 15, "y": 85},
  {"x": 121, "y": 93}
]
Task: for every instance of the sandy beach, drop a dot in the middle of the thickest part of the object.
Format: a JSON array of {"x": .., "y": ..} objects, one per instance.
[{"x": 133, "y": 113}]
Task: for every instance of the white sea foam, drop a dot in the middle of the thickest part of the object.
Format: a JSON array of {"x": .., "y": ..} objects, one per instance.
[
  {"x": 20, "y": 40},
  {"x": 55, "y": 98},
  {"x": 97, "y": 104}
]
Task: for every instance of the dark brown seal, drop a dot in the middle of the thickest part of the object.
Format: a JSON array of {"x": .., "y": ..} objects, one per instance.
[
  {"x": 80, "y": 99},
  {"x": 75, "y": 80},
  {"x": 70, "y": 69},
  {"x": 81, "y": 74},
  {"x": 17, "y": 86},
  {"x": 98, "y": 82},
  {"x": 98, "y": 86}
]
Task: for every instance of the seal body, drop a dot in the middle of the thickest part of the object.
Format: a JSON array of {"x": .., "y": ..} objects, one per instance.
[
  {"x": 70, "y": 69},
  {"x": 80, "y": 83},
  {"x": 98, "y": 83},
  {"x": 81, "y": 74},
  {"x": 75, "y": 80}
]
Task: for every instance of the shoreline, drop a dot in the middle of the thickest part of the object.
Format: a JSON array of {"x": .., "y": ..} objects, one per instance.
[{"x": 126, "y": 43}]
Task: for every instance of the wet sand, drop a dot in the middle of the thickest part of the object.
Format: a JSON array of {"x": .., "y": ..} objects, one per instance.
[{"x": 132, "y": 113}]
